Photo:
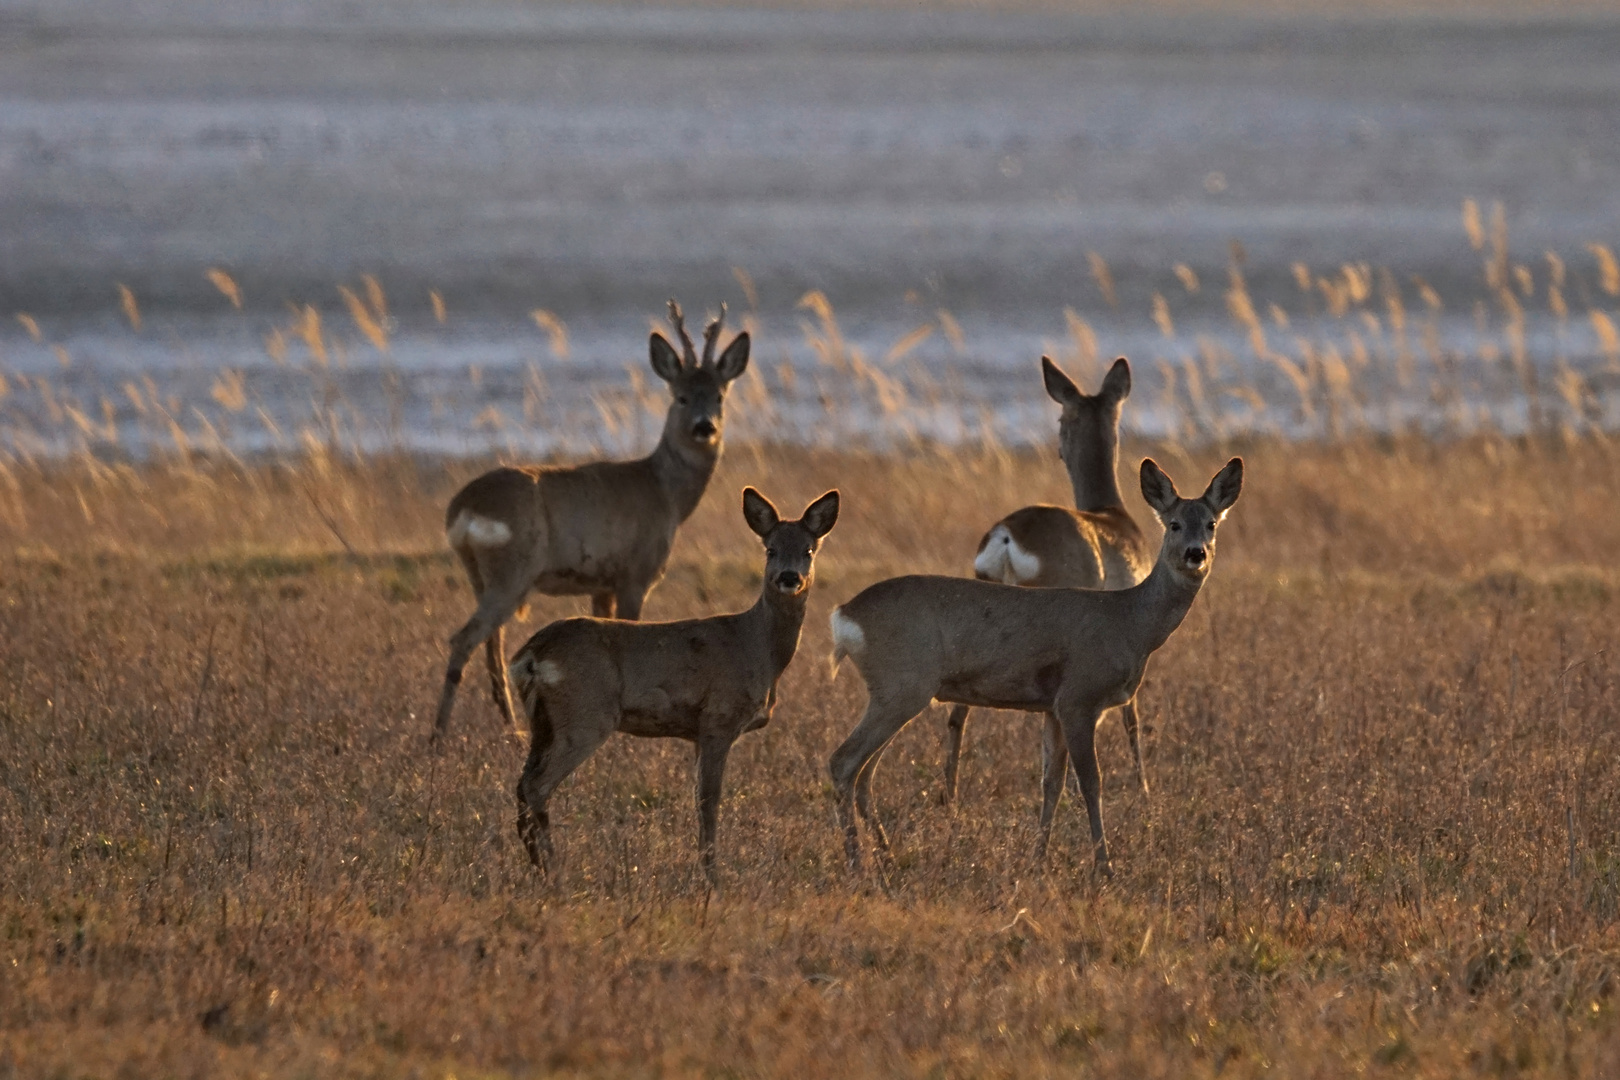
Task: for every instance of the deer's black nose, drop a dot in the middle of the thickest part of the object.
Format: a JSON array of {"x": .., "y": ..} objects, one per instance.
[
  {"x": 1196, "y": 556},
  {"x": 789, "y": 579},
  {"x": 704, "y": 429}
]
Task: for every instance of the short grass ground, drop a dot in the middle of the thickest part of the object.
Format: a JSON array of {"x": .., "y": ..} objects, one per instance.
[{"x": 1382, "y": 837}]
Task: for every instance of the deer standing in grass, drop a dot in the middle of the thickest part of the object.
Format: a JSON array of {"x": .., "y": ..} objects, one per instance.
[
  {"x": 708, "y": 681},
  {"x": 1069, "y": 653},
  {"x": 602, "y": 529},
  {"x": 1094, "y": 546}
]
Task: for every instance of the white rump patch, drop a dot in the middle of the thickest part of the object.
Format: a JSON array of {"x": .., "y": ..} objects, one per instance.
[
  {"x": 470, "y": 528},
  {"x": 848, "y": 637},
  {"x": 1003, "y": 560},
  {"x": 549, "y": 672}
]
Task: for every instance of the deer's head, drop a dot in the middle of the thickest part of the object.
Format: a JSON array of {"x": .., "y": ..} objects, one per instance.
[
  {"x": 1189, "y": 524},
  {"x": 1089, "y": 427},
  {"x": 697, "y": 386},
  {"x": 790, "y": 546}
]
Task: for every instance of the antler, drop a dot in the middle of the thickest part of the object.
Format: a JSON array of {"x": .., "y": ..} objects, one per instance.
[
  {"x": 687, "y": 347},
  {"x": 711, "y": 334}
]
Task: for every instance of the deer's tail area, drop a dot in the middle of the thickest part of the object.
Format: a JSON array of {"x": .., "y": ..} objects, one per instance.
[
  {"x": 530, "y": 675},
  {"x": 470, "y": 530},
  {"x": 847, "y": 636}
]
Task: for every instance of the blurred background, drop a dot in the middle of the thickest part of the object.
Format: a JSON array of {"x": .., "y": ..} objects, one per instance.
[{"x": 447, "y": 227}]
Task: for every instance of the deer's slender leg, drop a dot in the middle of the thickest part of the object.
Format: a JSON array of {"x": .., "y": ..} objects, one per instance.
[
  {"x": 602, "y": 605},
  {"x": 955, "y": 727},
  {"x": 711, "y": 770},
  {"x": 1054, "y": 766},
  {"x": 1128, "y": 714},
  {"x": 863, "y": 798},
  {"x": 886, "y": 713},
  {"x": 495, "y": 606},
  {"x": 550, "y": 763},
  {"x": 1079, "y": 723},
  {"x": 495, "y": 660},
  {"x": 630, "y": 599}
]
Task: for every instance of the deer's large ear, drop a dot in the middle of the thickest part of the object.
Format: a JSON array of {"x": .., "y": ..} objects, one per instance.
[
  {"x": 1059, "y": 387},
  {"x": 1223, "y": 490},
  {"x": 821, "y": 515},
  {"x": 666, "y": 362},
  {"x": 1157, "y": 488},
  {"x": 1117, "y": 383},
  {"x": 734, "y": 361},
  {"x": 758, "y": 512}
]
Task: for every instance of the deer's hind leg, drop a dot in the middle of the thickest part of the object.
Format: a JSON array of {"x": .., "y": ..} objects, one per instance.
[
  {"x": 495, "y": 605},
  {"x": 852, "y": 763},
  {"x": 557, "y": 750},
  {"x": 863, "y": 799},
  {"x": 1054, "y": 766},
  {"x": 628, "y": 600},
  {"x": 495, "y": 660}
]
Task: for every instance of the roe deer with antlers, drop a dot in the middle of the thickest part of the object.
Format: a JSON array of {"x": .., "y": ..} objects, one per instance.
[
  {"x": 704, "y": 680},
  {"x": 603, "y": 529},
  {"x": 1069, "y": 653},
  {"x": 1094, "y": 546}
]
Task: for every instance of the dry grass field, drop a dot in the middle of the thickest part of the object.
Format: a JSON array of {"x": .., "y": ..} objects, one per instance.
[{"x": 1382, "y": 838}]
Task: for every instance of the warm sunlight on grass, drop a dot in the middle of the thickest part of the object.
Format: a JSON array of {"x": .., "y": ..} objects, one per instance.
[{"x": 1381, "y": 836}]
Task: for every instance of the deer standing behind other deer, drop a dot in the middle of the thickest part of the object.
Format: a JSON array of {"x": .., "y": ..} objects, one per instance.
[
  {"x": 1097, "y": 545},
  {"x": 602, "y": 529},
  {"x": 1070, "y": 653},
  {"x": 704, "y": 680}
]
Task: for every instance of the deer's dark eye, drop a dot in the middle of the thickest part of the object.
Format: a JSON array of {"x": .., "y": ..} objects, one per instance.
[
  {"x": 1175, "y": 526},
  {"x": 681, "y": 399},
  {"x": 770, "y": 552}
]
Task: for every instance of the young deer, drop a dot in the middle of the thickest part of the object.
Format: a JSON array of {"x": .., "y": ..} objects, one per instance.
[
  {"x": 603, "y": 529},
  {"x": 704, "y": 680},
  {"x": 1070, "y": 653},
  {"x": 1094, "y": 546}
]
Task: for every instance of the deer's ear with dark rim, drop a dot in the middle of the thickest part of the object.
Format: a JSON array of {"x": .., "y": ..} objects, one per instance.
[
  {"x": 734, "y": 361},
  {"x": 666, "y": 362},
  {"x": 821, "y": 515},
  {"x": 1223, "y": 491},
  {"x": 1157, "y": 487},
  {"x": 758, "y": 512},
  {"x": 1059, "y": 387},
  {"x": 1117, "y": 383}
]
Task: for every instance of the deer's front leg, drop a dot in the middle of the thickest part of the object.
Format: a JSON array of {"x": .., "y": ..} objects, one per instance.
[
  {"x": 1127, "y": 713},
  {"x": 711, "y": 769},
  {"x": 955, "y": 727},
  {"x": 1079, "y": 722}
]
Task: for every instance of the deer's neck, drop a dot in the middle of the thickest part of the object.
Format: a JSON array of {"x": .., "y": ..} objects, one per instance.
[
  {"x": 1092, "y": 473},
  {"x": 1166, "y": 597},
  {"x": 780, "y": 619},
  {"x": 683, "y": 473}
]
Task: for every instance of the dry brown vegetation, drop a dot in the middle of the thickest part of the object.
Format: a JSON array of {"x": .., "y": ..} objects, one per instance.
[{"x": 1382, "y": 837}]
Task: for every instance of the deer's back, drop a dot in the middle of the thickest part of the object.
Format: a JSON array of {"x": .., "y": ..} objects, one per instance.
[
  {"x": 1054, "y": 547},
  {"x": 982, "y": 642},
  {"x": 672, "y": 679},
  {"x": 601, "y": 522}
]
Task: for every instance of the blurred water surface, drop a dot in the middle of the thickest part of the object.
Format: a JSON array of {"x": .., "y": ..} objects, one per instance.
[{"x": 594, "y": 160}]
